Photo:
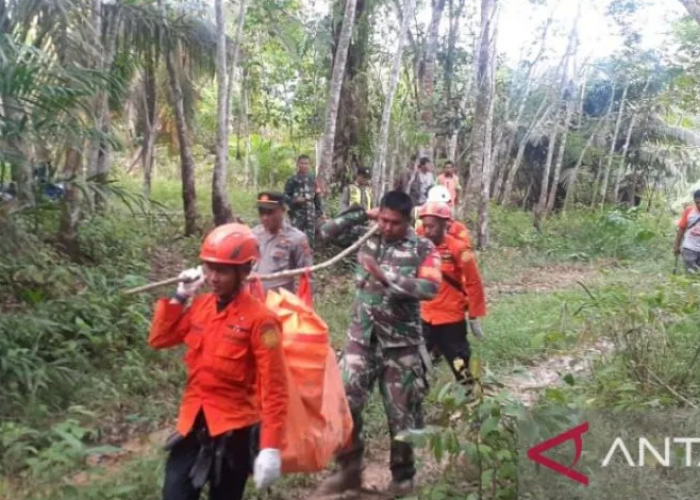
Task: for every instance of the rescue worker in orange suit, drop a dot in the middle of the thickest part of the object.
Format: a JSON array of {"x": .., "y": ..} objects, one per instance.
[
  {"x": 444, "y": 325},
  {"x": 232, "y": 340},
  {"x": 440, "y": 194}
]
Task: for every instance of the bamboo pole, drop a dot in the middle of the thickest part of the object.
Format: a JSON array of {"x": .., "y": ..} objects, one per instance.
[{"x": 267, "y": 277}]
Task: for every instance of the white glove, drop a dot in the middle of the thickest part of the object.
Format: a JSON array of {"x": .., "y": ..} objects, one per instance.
[
  {"x": 475, "y": 327},
  {"x": 268, "y": 468},
  {"x": 194, "y": 279}
]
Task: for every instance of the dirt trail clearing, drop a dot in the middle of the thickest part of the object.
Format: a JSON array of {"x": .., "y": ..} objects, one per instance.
[{"x": 549, "y": 278}]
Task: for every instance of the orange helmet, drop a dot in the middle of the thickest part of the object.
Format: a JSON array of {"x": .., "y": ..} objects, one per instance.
[
  {"x": 435, "y": 209},
  {"x": 232, "y": 244}
]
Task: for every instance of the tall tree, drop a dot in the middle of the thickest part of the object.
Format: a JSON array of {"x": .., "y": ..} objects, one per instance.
[
  {"x": 478, "y": 187},
  {"x": 150, "y": 108},
  {"x": 572, "y": 176},
  {"x": 544, "y": 181},
  {"x": 221, "y": 206},
  {"x": 563, "y": 71},
  {"x": 503, "y": 147},
  {"x": 572, "y": 50},
  {"x": 325, "y": 167},
  {"x": 379, "y": 168},
  {"x": 426, "y": 74},
  {"x": 108, "y": 19},
  {"x": 236, "y": 50},
  {"x": 613, "y": 144},
  {"x": 628, "y": 140},
  {"x": 560, "y": 157},
  {"x": 189, "y": 194},
  {"x": 352, "y": 123}
]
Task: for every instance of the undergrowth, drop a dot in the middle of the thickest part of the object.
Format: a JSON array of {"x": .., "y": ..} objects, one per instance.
[
  {"x": 584, "y": 235},
  {"x": 77, "y": 373},
  {"x": 69, "y": 339}
]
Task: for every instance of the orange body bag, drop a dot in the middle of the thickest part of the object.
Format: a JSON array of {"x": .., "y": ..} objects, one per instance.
[{"x": 318, "y": 422}]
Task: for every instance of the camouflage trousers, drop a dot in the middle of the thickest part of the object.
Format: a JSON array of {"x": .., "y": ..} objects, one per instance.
[
  {"x": 401, "y": 377},
  {"x": 306, "y": 224}
]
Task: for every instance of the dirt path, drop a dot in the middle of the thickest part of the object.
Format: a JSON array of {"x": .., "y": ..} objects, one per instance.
[
  {"x": 548, "y": 372},
  {"x": 525, "y": 386},
  {"x": 551, "y": 278}
]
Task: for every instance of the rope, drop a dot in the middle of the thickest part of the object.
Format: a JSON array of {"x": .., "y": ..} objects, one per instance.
[{"x": 266, "y": 277}]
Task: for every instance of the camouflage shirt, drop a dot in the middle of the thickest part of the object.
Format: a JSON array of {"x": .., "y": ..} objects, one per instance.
[
  {"x": 303, "y": 187},
  {"x": 391, "y": 313}
]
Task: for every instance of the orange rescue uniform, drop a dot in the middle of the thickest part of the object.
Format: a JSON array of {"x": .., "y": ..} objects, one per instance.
[
  {"x": 456, "y": 230},
  {"x": 226, "y": 353},
  {"x": 461, "y": 287}
]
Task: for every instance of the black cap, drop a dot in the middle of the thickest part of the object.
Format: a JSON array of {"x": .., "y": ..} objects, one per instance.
[{"x": 270, "y": 199}]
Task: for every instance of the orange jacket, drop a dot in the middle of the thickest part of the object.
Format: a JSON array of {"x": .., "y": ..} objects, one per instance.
[
  {"x": 226, "y": 352},
  {"x": 456, "y": 230},
  {"x": 458, "y": 269}
]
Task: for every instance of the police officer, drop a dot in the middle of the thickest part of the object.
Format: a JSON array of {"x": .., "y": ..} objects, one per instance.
[
  {"x": 282, "y": 246},
  {"x": 303, "y": 199}
]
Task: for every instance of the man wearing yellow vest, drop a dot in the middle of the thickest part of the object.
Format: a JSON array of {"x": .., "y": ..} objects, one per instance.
[{"x": 358, "y": 193}]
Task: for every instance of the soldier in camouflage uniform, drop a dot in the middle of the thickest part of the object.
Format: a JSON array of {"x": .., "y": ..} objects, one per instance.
[
  {"x": 397, "y": 270},
  {"x": 303, "y": 199}
]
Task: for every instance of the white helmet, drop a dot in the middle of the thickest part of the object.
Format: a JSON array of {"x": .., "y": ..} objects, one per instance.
[{"x": 439, "y": 194}]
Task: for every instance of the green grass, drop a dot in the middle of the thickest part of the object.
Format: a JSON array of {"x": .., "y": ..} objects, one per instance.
[
  {"x": 522, "y": 327},
  {"x": 116, "y": 382}
]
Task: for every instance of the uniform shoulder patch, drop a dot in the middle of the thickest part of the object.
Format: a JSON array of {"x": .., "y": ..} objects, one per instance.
[{"x": 270, "y": 335}]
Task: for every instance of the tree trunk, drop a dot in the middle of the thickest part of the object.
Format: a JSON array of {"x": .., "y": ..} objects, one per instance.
[
  {"x": 150, "y": 133},
  {"x": 560, "y": 159},
  {"x": 189, "y": 196},
  {"x": 19, "y": 158},
  {"x": 455, "y": 22},
  {"x": 582, "y": 98},
  {"x": 110, "y": 21},
  {"x": 544, "y": 182},
  {"x": 625, "y": 148},
  {"x": 380, "y": 159},
  {"x": 353, "y": 116},
  {"x": 325, "y": 168},
  {"x": 481, "y": 134},
  {"x": 70, "y": 214},
  {"x": 426, "y": 70},
  {"x": 490, "y": 25},
  {"x": 221, "y": 206},
  {"x": 454, "y": 137},
  {"x": 596, "y": 184},
  {"x": 234, "y": 62},
  {"x": 98, "y": 103},
  {"x": 546, "y": 203},
  {"x": 613, "y": 143},
  {"x": 246, "y": 133},
  {"x": 571, "y": 189},
  {"x": 396, "y": 164},
  {"x": 540, "y": 115}
]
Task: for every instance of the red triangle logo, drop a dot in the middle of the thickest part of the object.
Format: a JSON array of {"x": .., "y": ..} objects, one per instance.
[{"x": 576, "y": 435}]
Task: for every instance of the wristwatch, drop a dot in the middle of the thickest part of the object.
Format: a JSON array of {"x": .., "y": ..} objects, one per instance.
[{"x": 180, "y": 298}]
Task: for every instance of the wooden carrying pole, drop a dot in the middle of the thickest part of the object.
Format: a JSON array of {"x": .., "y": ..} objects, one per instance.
[{"x": 267, "y": 277}]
